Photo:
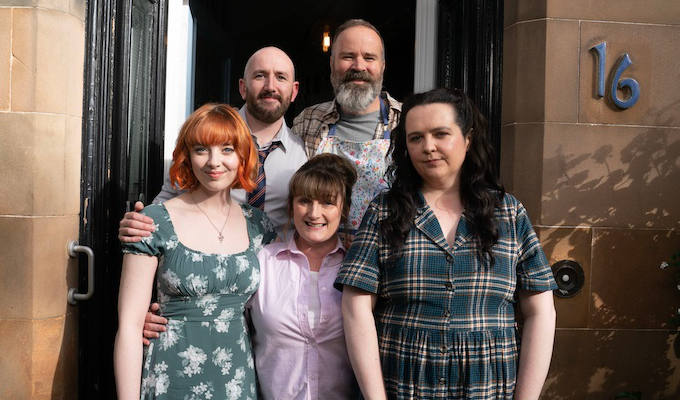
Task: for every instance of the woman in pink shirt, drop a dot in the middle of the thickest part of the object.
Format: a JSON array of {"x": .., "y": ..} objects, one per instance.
[{"x": 298, "y": 339}]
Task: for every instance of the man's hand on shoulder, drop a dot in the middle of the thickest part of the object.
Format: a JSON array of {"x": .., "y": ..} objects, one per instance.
[{"x": 134, "y": 226}]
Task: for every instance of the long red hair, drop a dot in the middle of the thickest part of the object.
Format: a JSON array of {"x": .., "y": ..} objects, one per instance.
[{"x": 214, "y": 125}]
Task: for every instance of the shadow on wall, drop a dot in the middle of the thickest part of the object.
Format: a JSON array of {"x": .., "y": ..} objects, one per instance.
[
  {"x": 628, "y": 191},
  {"x": 652, "y": 171},
  {"x": 632, "y": 186},
  {"x": 610, "y": 362}
]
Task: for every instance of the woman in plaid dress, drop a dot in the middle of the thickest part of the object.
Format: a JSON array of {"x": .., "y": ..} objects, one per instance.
[{"x": 437, "y": 266}]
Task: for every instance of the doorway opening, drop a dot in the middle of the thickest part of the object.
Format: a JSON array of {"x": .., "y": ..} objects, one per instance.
[
  {"x": 125, "y": 96},
  {"x": 227, "y": 33}
]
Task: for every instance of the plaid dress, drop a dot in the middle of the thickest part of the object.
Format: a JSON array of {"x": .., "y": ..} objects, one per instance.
[{"x": 445, "y": 319}]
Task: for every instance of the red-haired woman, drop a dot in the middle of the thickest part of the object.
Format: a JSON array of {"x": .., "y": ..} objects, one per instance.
[{"x": 205, "y": 273}]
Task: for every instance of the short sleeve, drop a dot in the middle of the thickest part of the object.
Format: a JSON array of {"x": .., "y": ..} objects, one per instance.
[
  {"x": 149, "y": 245},
  {"x": 361, "y": 267},
  {"x": 268, "y": 230},
  {"x": 264, "y": 231},
  {"x": 533, "y": 270}
]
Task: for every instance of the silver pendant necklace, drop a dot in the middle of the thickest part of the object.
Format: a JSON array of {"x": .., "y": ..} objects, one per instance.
[{"x": 220, "y": 236}]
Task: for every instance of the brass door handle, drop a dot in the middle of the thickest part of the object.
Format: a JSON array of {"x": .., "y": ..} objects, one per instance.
[{"x": 73, "y": 249}]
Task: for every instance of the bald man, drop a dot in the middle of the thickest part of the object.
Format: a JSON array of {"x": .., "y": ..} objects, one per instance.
[{"x": 268, "y": 87}]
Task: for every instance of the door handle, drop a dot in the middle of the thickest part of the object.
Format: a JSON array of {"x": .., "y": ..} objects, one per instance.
[{"x": 73, "y": 249}]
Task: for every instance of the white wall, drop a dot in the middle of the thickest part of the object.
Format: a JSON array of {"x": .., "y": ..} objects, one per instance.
[
  {"x": 425, "y": 63},
  {"x": 179, "y": 82}
]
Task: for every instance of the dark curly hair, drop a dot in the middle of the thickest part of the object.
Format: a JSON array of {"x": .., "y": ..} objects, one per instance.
[{"x": 480, "y": 189}]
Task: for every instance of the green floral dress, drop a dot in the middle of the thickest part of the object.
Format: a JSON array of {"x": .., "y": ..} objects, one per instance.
[{"x": 205, "y": 352}]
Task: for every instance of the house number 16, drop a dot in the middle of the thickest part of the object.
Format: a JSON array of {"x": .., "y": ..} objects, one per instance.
[{"x": 630, "y": 83}]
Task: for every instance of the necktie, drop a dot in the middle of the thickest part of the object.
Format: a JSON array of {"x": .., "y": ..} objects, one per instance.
[{"x": 256, "y": 197}]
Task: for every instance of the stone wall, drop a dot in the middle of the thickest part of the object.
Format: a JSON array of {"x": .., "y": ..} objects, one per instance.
[
  {"x": 42, "y": 45},
  {"x": 601, "y": 184}
]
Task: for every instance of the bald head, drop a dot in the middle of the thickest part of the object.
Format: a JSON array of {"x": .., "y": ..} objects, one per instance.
[
  {"x": 270, "y": 56},
  {"x": 268, "y": 85}
]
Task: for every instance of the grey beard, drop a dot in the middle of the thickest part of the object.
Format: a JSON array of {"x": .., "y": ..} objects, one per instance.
[{"x": 354, "y": 98}]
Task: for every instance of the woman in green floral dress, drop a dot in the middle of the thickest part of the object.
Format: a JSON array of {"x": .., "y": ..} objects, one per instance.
[{"x": 205, "y": 271}]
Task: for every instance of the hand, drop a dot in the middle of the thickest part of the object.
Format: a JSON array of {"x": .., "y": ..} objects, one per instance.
[
  {"x": 153, "y": 324},
  {"x": 134, "y": 225}
]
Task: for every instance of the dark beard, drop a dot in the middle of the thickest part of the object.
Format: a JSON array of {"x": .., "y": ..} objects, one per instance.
[{"x": 265, "y": 114}]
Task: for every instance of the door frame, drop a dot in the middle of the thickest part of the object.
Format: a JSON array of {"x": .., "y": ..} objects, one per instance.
[
  {"x": 471, "y": 36},
  {"x": 104, "y": 175}
]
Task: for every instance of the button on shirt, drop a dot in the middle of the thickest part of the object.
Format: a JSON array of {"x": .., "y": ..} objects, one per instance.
[
  {"x": 293, "y": 360},
  {"x": 279, "y": 167}
]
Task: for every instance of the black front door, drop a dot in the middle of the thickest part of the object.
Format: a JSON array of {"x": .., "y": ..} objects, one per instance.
[
  {"x": 124, "y": 96},
  {"x": 470, "y": 56},
  {"x": 122, "y": 159}
]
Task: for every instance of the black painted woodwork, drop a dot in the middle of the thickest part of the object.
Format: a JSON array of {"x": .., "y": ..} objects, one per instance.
[
  {"x": 104, "y": 176},
  {"x": 470, "y": 55}
]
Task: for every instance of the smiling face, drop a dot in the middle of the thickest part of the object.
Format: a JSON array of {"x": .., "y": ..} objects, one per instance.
[
  {"x": 357, "y": 67},
  {"x": 215, "y": 167},
  {"x": 436, "y": 145},
  {"x": 268, "y": 85},
  {"x": 316, "y": 221}
]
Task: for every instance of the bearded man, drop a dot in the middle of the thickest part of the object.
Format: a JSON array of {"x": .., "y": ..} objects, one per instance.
[
  {"x": 358, "y": 122},
  {"x": 268, "y": 87}
]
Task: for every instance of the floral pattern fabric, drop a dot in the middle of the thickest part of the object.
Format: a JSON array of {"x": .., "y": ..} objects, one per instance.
[
  {"x": 314, "y": 122},
  {"x": 369, "y": 160},
  {"x": 205, "y": 352}
]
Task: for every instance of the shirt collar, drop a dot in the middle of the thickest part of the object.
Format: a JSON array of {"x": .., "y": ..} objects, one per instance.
[
  {"x": 283, "y": 135},
  {"x": 426, "y": 222},
  {"x": 291, "y": 247}
]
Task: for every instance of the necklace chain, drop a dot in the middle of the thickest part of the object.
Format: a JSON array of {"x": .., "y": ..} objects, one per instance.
[{"x": 220, "y": 236}]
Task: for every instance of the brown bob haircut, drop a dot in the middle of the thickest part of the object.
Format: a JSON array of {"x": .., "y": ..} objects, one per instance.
[
  {"x": 214, "y": 125},
  {"x": 324, "y": 177}
]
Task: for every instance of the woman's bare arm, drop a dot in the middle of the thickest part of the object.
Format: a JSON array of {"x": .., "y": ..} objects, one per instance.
[
  {"x": 136, "y": 282},
  {"x": 538, "y": 333},
  {"x": 362, "y": 341}
]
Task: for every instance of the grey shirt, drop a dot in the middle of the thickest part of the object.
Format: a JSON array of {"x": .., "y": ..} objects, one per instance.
[
  {"x": 357, "y": 128},
  {"x": 279, "y": 167}
]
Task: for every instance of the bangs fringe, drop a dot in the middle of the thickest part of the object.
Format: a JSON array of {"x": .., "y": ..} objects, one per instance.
[
  {"x": 213, "y": 131},
  {"x": 214, "y": 125},
  {"x": 314, "y": 186}
]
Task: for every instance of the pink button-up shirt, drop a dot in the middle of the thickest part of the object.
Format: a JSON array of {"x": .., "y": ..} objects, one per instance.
[{"x": 292, "y": 360}]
